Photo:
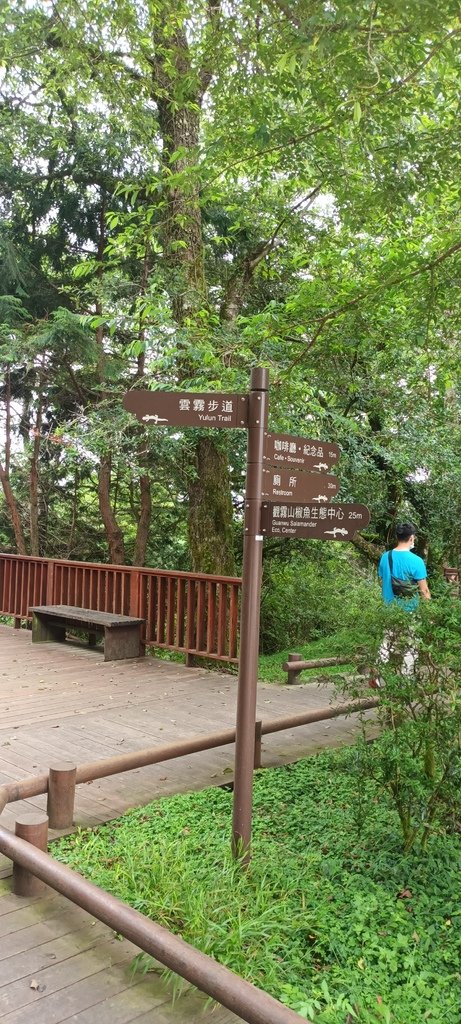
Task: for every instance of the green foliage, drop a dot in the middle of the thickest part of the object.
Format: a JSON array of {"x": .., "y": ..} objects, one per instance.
[
  {"x": 417, "y": 759},
  {"x": 317, "y": 590},
  {"x": 332, "y": 917},
  {"x": 329, "y": 646},
  {"x": 201, "y": 190}
]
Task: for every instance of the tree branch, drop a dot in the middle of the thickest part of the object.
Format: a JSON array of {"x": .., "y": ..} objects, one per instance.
[
  {"x": 413, "y": 74},
  {"x": 367, "y": 548},
  {"x": 214, "y": 11},
  {"x": 323, "y": 320},
  {"x": 239, "y": 282}
]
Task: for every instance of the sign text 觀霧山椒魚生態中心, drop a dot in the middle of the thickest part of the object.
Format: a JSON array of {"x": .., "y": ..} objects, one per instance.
[{"x": 313, "y": 522}]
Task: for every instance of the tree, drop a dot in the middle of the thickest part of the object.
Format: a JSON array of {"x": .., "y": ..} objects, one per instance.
[{"x": 247, "y": 183}]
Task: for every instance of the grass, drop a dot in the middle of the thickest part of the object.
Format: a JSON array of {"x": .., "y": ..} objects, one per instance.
[
  {"x": 270, "y": 665},
  {"x": 331, "y": 918}
]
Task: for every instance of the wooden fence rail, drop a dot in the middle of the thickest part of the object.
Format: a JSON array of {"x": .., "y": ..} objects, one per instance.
[{"x": 188, "y": 612}]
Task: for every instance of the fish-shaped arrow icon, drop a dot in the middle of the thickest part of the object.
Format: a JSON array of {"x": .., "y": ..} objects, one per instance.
[
  {"x": 320, "y": 497},
  {"x": 321, "y": 465},
  {"x": 338, "y": 529},
  {"x": 154, "y": 419}
]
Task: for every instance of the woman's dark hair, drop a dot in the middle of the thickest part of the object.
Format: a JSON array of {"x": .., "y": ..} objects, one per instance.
[{"x": 404, "y": 531}]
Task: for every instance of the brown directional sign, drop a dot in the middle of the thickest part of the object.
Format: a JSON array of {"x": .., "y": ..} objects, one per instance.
[
  {"x": 187, "y": 409},
  {"x": 289, "y": 484},
  {"x": 300, "y": 452},
  {"x": 320, "y": 522}
]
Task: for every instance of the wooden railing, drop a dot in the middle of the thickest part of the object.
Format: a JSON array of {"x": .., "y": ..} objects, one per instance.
[{"x": 188, "y": 612}]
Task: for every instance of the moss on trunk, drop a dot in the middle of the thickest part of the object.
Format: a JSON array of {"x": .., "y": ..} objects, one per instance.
[{"x": 210, "y": 513}]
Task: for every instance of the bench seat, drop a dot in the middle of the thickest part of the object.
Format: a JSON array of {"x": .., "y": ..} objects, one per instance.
[{"x": 121, "y": 633}]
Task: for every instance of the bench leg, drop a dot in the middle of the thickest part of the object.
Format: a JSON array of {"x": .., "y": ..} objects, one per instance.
[
  {"x": 43, "y": 632},
  {"x": 122, "y": 642}
]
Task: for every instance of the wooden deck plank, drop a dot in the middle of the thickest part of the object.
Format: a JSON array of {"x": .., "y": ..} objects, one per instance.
[
  {"x": 120, "y": 1009},
  {"x": 51, "y": 953},
  {"x": 60, "y": 971},
  {"x": 190, "y": 1009},
  {"x": 90, "y": 992},
  {"x": 35, "y": 935},
  {"x": 83, "y": 956},
  {"x": 56, "y": 977},
  {"x": 25, "y": 916}
]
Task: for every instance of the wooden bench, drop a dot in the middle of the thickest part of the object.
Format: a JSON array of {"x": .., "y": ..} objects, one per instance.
[{"x": 122, "y": 633}]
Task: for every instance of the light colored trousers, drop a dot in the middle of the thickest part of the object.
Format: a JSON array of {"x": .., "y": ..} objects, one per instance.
[{"x": 407, "y": 658}]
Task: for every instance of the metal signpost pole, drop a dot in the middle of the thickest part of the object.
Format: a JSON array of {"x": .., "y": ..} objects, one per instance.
[{"x": 249, "y": 618}]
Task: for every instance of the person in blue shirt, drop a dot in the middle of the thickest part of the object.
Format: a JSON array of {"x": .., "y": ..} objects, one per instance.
[
  {"x": 406, "y": 566},
  {"x": 409, "y": 568}
]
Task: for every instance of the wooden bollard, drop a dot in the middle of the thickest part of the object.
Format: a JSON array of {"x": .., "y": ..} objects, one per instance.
[
  {"x": 61, "y": 794},
  {"x": 293, "y": 674},
  {"x": 34, "y": 829}
]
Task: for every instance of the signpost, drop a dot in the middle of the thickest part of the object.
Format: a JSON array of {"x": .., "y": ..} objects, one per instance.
[
  {"x": 283, "y": 484},
  {"x": 319, "y": 522},
  {"x": 187, "y": 409},
  {"x": 249, "y": 619},
  {"x": 292, "y": 470}
]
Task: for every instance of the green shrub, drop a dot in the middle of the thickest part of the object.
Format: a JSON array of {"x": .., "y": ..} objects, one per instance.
[
  {"x": 417, "y": 759},
  {"x": 306, "y": 597}
]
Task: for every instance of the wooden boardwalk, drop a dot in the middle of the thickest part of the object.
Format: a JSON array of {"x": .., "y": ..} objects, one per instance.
[
  {"x": 58, "y": 964},
  {"x": 62, "y": 702}
]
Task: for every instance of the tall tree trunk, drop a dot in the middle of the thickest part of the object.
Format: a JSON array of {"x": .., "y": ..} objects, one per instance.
[
  {"x": 145, "y": 512},
  {"x": 367, "y": 548},
  {"x": 10, "y": 499},
  {"x": 452, "y": 391},
  {"x": 113, "y": 532},
  {"x": 211, "y": 511},
  {"x": 8, "y": 422},
  {"x": 210, "y": 507},
  {"x": 73, "y": 519},
  {"x": 145, "y": 492},
  {"x": 13, "y": 511},
  {"x": 34, "y": 512}
]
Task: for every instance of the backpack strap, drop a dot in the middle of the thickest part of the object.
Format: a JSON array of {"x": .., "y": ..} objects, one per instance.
[{"x": 391, "y": 566}]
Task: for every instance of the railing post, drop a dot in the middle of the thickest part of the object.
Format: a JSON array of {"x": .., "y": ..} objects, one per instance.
[
  {"x": 258, "y": 738},
  {"x": 293, "y": 674},
  {"x": 61, "y": 794},
  {"x": 34, "y": 829},
  {"x": 134, "y": 594},
  {"x": 191, "y": 641},
  {"x": 50, "y": 599}
]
